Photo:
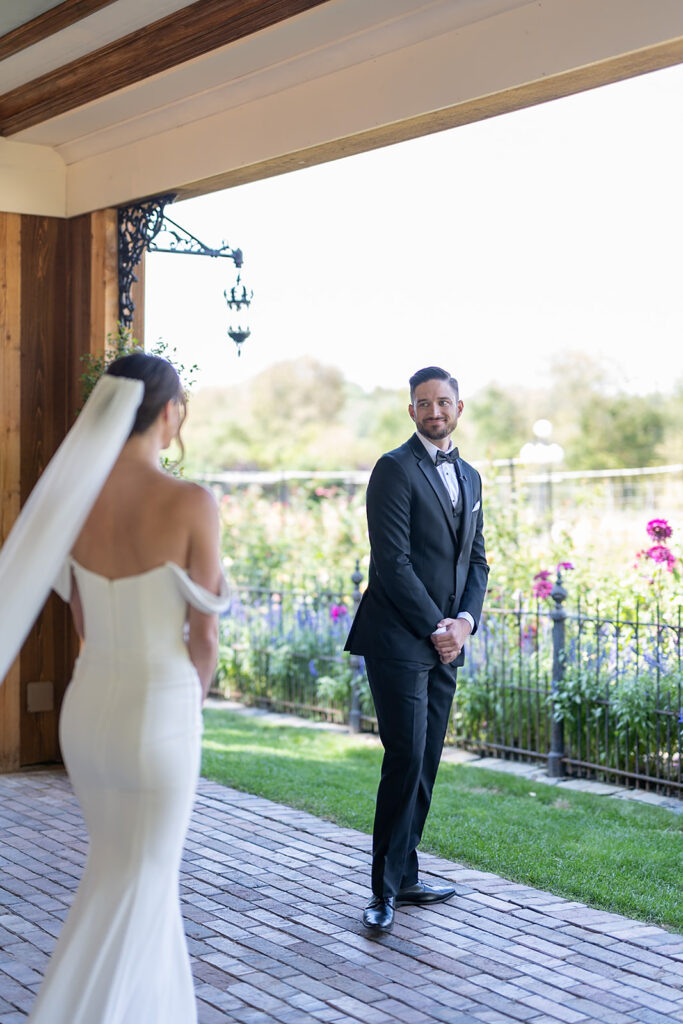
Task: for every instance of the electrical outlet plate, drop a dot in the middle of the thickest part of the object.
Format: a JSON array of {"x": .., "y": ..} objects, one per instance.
[{"x": 40, "y": 697}]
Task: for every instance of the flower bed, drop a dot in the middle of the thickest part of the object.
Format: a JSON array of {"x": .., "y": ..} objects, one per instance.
[{"x": 618, "y": 693}]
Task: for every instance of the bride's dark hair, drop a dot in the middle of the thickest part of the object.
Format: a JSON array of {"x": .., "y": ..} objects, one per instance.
[{"x": 162, "y": 385}]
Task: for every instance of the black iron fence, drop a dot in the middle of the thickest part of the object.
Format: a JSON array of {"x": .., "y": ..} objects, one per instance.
[
  {"x": 591, "y": 695},
  {"x": 594, "y": 696},
  {"x": 282, "y": 648}
]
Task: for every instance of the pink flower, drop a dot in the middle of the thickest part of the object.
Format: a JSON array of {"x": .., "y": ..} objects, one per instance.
[
  {"x": 659, "y": 529},
  {"x": 661, "y": 553},
  {"x": 337, "y": 611},
  {"x": 543, "y": 584},
  {"x": 564, "y": 566}
]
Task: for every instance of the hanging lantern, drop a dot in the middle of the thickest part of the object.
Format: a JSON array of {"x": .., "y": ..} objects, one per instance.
[{"x": 237, "y": 299}]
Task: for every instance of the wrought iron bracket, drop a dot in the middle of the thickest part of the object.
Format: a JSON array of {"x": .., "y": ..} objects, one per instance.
[
  {"x": 144, "y": 226},
  {"x": 138, "y": 225},
  {"x": 173, "y": 237}
]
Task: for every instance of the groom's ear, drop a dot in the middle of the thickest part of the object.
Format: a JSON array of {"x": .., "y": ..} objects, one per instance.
[{"x": 411, "y": 411}]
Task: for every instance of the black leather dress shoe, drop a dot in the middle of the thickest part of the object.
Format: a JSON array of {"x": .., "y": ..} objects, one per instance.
[
  {"x": 379, "y": 914},
  {"x": 421, "y": 894}
]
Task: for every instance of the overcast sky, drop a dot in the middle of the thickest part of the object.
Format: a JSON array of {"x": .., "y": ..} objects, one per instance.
[{"x": 486, "y": 249}]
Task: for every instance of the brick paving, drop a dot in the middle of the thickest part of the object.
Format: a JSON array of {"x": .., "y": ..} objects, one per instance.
[{"x": 272, "y": 899}]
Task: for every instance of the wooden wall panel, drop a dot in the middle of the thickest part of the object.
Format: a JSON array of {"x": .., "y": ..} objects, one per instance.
[
  {"x": 78, "y": 314},
  {"x": 93, "y": 292},
  {"x": 10, "y": 481},
  {"x": 58, "y": 301},
  {"x": 104, "y": 280},
  {"x": 43, "y": 391}
]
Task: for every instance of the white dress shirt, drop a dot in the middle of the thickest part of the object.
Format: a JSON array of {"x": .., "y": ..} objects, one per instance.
[{"x": 446, "y": 471}]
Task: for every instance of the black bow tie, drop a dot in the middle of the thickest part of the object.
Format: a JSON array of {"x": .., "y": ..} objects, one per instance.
[{"x": 452, "y": 456}]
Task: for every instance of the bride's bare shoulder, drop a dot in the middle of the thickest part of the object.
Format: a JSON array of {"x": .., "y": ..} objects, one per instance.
[{"x": 197, "y": 500}]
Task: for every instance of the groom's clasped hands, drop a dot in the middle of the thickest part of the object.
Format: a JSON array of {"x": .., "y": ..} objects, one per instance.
[{"x": 450, "y": 638}]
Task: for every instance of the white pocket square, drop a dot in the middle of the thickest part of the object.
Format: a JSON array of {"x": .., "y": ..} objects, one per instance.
[{"x": 477, "y": 507}]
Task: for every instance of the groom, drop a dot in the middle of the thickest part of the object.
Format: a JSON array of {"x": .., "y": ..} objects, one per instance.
[{"x": 428, "y": 575}]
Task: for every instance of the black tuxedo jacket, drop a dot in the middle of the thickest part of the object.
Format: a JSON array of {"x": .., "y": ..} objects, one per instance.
[{"x": 421, "y": 571}]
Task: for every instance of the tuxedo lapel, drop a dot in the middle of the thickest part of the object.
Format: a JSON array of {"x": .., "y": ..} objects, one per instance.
[
  {"x": 467, "y": 493},
  {"x": 435, "y": 482}
]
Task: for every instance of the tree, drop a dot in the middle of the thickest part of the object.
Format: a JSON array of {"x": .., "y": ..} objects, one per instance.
[
  {"x": 500, "y": 422},
  {"x": 298, "y": 392},
  {"x": 617, "y": 431},
  {"x": 671, "y": 448},
  {"x": 301, "y": 414}
]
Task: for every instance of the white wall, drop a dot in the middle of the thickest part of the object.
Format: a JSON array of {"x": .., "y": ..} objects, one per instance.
[{"x": 32, "y": 179}]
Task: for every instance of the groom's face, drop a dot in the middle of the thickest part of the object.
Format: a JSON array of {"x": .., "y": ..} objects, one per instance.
[{"x": 435, "y": 409}]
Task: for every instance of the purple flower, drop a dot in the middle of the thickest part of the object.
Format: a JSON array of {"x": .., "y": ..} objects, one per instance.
[
  {"x": 543, "y": 584},
  {"x": 337, "y": 611},
  {"x": 659, "y": 529},
  {"x": 564, "y": 566},
  {"x": 661, "y": 553},
  {"x": 680, "y": 717},
  {"x": 312, "y": 669},
  {"x": 527, "y": 640}
]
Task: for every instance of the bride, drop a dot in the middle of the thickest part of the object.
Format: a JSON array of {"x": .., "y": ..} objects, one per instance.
[{"x": 145, "y": 585}]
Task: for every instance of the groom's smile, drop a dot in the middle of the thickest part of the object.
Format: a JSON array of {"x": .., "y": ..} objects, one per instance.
[{"x": 435, "y": 410}]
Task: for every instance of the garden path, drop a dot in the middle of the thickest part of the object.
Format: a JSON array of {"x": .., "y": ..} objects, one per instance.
[{"x": 272, "y": 899}]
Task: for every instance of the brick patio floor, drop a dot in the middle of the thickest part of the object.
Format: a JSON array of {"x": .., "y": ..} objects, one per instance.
[{"x": 272, "y": 899}]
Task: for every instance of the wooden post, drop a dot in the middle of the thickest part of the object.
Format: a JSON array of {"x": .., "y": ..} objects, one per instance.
[
  {"x": 58, "y": 301},
  {"x": 10, "y": 479}
]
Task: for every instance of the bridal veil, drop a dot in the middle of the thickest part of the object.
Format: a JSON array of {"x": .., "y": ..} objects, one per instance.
[{"x": 58, "y": 506}]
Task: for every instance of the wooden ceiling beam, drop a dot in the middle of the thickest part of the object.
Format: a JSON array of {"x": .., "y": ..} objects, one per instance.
[
  {"x": 44, "y": 25},
  {"x": 174, "y": 39}
]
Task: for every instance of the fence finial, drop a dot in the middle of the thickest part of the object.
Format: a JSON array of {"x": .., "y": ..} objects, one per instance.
[{"x": 558, "y": 615}]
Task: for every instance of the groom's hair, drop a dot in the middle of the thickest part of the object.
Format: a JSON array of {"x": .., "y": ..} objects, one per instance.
[{"x": 432, "y": 373}]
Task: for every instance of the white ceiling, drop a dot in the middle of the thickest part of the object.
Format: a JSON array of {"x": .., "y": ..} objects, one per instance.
[
  {"x": 337, "y": 34},
  {"x": 14, "y": 13},
  {"x": 342, "y": 70},
  {"x": 105, "y": 26}
]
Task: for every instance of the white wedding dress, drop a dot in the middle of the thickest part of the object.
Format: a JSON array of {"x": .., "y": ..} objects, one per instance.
[{"x": 130, "y": 731}]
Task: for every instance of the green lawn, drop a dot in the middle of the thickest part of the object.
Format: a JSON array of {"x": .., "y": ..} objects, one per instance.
[{"x": 614, "y": 854}]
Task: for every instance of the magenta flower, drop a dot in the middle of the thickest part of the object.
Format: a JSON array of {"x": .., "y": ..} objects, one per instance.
[
  {"x": 564, "y": 566},
  {"x": 659, "y": 529},
  {"x": 543, "y": 584},
  {"x": 661, "y": 553},
  {"x": 337, "y": 611}
]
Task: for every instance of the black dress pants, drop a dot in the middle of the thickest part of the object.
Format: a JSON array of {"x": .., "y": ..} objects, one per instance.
[{"x": 413, "y": 704}]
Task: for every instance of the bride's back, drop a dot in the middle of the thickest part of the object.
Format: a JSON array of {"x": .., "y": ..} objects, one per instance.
[{"x": 142, "y": 519}]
